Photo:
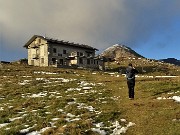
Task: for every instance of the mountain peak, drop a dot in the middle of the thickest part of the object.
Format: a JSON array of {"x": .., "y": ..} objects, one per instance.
[
  {"x": 118, "y": 51},
  {"x": 120, "y": 46}
]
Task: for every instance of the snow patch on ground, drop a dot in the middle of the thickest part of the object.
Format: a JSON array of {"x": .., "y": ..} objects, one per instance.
[
  {"x": 24, "y": 82},
  {"x": 23, "y": 131},
  {"x": 117, "y": 129},
  {"x": 39, "y": 132},
  {"x": 175, "y": 98},
  {"x": 47, "y": 73},
  {"x": 3, "y": 125},
  {"x": 17, "y": 118},
  {"x": 41, "y": 94},
  {"x": 146, "y": 76},
  {"x": 173, "y": 92}
]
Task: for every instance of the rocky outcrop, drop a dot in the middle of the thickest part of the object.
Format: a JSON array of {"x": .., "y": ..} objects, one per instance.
[{"x": 118, "y": 52}]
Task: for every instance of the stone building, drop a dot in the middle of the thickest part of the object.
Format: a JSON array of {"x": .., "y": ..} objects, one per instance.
[{"x": 43, "y": 51}]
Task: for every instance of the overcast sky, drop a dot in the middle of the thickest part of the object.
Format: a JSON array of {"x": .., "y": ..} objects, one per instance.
[{"x": 152, "y": 28}]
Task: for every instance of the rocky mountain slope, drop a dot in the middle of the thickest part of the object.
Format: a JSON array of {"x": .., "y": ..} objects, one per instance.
[
  {"x": 119, "y": 56},
  {"x": 118, "y": 52}
]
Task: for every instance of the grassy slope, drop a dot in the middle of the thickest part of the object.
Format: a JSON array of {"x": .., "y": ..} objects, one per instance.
[
  {"x": 151, "y": 116},
  {"x": 150, "y": 67}
]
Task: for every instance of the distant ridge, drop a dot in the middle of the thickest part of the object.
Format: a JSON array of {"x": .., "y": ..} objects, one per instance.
[
  {"x": 171, "y": 61},
  {"x": 117, "y": 51}
]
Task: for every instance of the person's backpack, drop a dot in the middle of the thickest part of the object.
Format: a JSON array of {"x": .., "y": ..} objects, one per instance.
[{"x": 130, "y": 73}]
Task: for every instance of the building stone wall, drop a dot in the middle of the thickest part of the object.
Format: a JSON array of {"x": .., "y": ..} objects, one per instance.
[{"x": 37, "y": 53}]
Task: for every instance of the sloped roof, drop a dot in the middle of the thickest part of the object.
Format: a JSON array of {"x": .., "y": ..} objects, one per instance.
[{"x": 60, "y": 42}]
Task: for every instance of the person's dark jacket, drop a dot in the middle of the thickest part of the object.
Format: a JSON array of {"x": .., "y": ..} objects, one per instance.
[{"x": 130, "y": 73}]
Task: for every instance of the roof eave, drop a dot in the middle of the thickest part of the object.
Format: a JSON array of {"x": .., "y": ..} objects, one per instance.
[
  {"x": 75, "y": 45},
  {"x": 30, "y": 41}
]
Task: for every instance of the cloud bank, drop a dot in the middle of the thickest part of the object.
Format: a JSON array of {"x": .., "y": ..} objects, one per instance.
[{"x": 97, "y": 23}]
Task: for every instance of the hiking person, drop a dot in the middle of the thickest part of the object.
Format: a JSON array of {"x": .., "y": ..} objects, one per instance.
[{"x": 130, "y": 75}]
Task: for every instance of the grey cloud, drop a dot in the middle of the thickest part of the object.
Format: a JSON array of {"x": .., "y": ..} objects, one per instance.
[{"x": 99, "y": 23}]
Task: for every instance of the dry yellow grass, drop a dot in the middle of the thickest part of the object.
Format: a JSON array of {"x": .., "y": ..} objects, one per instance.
[{"x": 74, "y": 102}]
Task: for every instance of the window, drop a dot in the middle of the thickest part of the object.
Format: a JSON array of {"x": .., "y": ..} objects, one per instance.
[
  {"x": 64, "y": 52},
  {"x": 77, "y": 53},
  {"x": 88, "y": 61},
  {"x": 39, "y": 40},
  {"x": 89, "y": 54},
  {"x": 54, "y": 50},
  {"x": 54, "y": 60},
  {"x": 81, "y": 54},
  {"x": 61, "y": 61},
  {"x": 92, "y": 61},
  {"x": 37, "y": 51},
  {"x": 80, "y": 61},
  {"x": 97, "y": 62},
  {"x": 42, "y": 60}
]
